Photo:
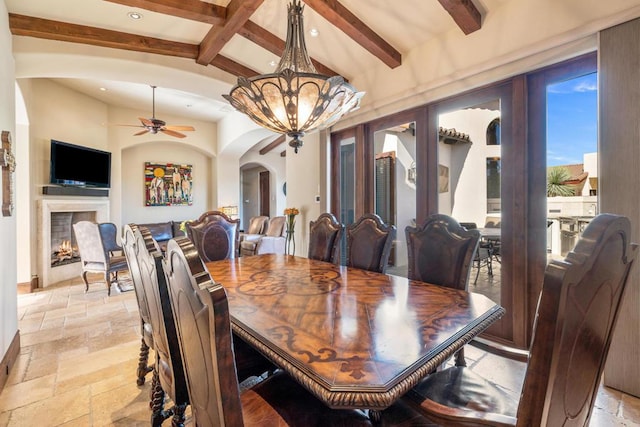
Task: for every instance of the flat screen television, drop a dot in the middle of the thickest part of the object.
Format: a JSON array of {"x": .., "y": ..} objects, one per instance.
[{"x": 79, "y": 166}]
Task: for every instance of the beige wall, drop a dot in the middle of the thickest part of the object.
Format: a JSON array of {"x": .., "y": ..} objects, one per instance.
[
  {"x": 8, "y": 299},
  {"x": 303, "y": 184},
  {"x": 133, "y": 202},
  {"x": 57, "y": 112}
]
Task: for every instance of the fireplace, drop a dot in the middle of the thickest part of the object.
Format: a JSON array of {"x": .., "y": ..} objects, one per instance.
[
  {"x": 64, "y": 248},
  {"x": 59, "y": 257}
]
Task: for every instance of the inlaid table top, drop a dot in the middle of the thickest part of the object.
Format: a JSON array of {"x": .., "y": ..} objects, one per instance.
[{"x": 354, "y": 338}]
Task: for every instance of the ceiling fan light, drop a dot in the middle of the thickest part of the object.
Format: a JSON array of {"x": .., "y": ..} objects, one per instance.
[{"x": 295, "y": 99}]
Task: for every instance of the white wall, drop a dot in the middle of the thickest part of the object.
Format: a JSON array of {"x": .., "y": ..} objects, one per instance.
[
  {"x": 277, "y": 166},
  {"x": 8, "y": 289},
  {"x": 466, "y": 200},
  {"x": 303, "y": 184}
]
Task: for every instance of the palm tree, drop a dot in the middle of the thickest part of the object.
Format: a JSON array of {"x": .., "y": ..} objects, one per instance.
[{"x": 556, "y": 176}]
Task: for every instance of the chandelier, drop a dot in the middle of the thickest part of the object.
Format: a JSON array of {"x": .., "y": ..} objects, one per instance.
[{"x": 294, "y": 99}]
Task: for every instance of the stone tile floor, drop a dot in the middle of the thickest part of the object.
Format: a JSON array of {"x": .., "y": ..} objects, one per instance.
[{"x": 79, "y": 355}]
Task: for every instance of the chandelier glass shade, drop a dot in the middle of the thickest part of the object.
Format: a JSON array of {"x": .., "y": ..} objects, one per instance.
[{"x": 294, "y": 99}]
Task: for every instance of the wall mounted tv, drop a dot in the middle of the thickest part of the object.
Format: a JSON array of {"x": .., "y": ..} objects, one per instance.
[{"x": 79, "y": 166}]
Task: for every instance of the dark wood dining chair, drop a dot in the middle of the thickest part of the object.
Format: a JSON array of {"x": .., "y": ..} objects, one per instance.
[
  {"x": 441, "y": 252},
  {"x": 324, "y": 238},
  {"x": 215, "y": 236},
  {"x": 168, "y": 373},
  {"x": 369, "y": 242},
  {"x": 576, "y": 315},
  {"x": 203, "y": 324},
  {"x": 146, "y": 332}
]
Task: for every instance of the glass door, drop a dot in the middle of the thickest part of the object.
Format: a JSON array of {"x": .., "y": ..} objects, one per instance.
[
  {"x": 479, "y": 164},
  {"x": 469, "y": 185}
]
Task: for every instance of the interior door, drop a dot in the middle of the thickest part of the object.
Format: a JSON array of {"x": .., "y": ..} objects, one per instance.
[{"x": 265, "y": 194}]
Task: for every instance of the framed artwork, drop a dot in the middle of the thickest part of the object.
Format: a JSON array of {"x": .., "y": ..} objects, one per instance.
[{"x": 167, "y": 184}]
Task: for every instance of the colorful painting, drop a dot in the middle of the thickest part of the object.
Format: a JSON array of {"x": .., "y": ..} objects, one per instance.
[{"x": 167, "y": 184}]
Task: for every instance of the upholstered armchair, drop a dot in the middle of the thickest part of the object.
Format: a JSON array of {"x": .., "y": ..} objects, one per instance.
[
  {"x": 95, "y": 257},
  {"x": 272, "y": 242},
  {"x": 257, "y": 227}
]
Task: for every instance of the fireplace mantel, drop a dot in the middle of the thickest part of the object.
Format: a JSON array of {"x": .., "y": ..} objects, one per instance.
[{"x": 48, "y": 274}]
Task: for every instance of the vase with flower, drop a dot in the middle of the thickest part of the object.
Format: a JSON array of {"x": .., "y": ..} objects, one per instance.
[{"x": 290, "y": 242}]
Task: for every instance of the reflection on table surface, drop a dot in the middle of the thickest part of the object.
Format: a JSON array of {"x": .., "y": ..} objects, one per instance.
[{"x": 354, "y": 338}]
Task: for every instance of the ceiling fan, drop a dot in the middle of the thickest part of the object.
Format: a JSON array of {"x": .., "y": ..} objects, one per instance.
[{"x": 154, "y": 125}]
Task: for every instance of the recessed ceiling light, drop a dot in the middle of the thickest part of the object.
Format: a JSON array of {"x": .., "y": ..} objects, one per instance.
[
  {"x": 134, "y": 15},
  {"x": 104, "y": 89},
  {"x": 313, "y": 32}
]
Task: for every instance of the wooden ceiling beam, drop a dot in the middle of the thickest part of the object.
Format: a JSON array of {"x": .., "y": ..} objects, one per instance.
[
  {"x": 274, "y": 44},
  {"x": 197, "y": 10},
  {"x": 194, "y": 10},
  {"x": 343, "y": 19},
  {"x": 279, "y": 140},
  {"x": 238, "y": 13},
  {"x": 21, "y": 25},
  {"x": 464, "y": 13}
]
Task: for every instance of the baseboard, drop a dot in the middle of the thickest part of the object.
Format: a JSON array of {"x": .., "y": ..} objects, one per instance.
[{"x": 9, "y": 359}]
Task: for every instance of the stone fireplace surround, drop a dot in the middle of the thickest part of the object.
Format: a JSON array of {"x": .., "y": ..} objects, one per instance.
[{"x": 48, "y": 274}]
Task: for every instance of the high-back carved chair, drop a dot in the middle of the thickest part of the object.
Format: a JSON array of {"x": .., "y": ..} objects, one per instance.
[
  {"x": 271, "y": 242},
  {"x": 369, "y": 242},
  {"x": 168, "y": 373},
  {"x": 130, "y": 248},
  {"x": 576, "y": 316},
  {"x": 215, "y": 236},
  {"x": 201, "y": 311},
  {"x": 324, "y": 238},
  {"x": 441, "y": 252},
  {"x": 93, "y": 255}
]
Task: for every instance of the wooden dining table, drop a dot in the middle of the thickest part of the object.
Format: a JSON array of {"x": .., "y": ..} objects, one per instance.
[{"x": 354, "y": 338}]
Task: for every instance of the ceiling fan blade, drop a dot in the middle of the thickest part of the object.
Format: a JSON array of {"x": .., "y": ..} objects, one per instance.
[
  {"x": 182, "y": 128},
  {"x": 145, "y": 122},
  {"x": 142, "y": 132},
  {"x": 173, "y": 133},
  {"x": 120, "y": 124}
]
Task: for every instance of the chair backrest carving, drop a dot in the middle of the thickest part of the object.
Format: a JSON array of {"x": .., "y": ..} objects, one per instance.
[
  {"x": 90, "y": 243},
  {"x": 214, "y": 235},
  {"x": 577, "y": 312},
  {"x": 202, "y": 319},
  {"x": 257, "y": 225},
  {"x": 324, "y": 238},
  {"x": 160, "y": 314},
  {"x": 369, "y": 242},
  {"x": 441, "y": 251}
]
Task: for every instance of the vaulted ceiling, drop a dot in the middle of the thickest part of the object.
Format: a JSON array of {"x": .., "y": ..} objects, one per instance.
[{"x": 237, "y": 37}]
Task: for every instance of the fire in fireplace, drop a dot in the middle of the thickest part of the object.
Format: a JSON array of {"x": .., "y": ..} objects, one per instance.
[
  {"x": 65, "y": 254},
  {"x": 64, "y": 249}
]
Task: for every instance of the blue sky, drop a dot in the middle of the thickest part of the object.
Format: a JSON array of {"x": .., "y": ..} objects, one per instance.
[{"x": 572, "y": 120}]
